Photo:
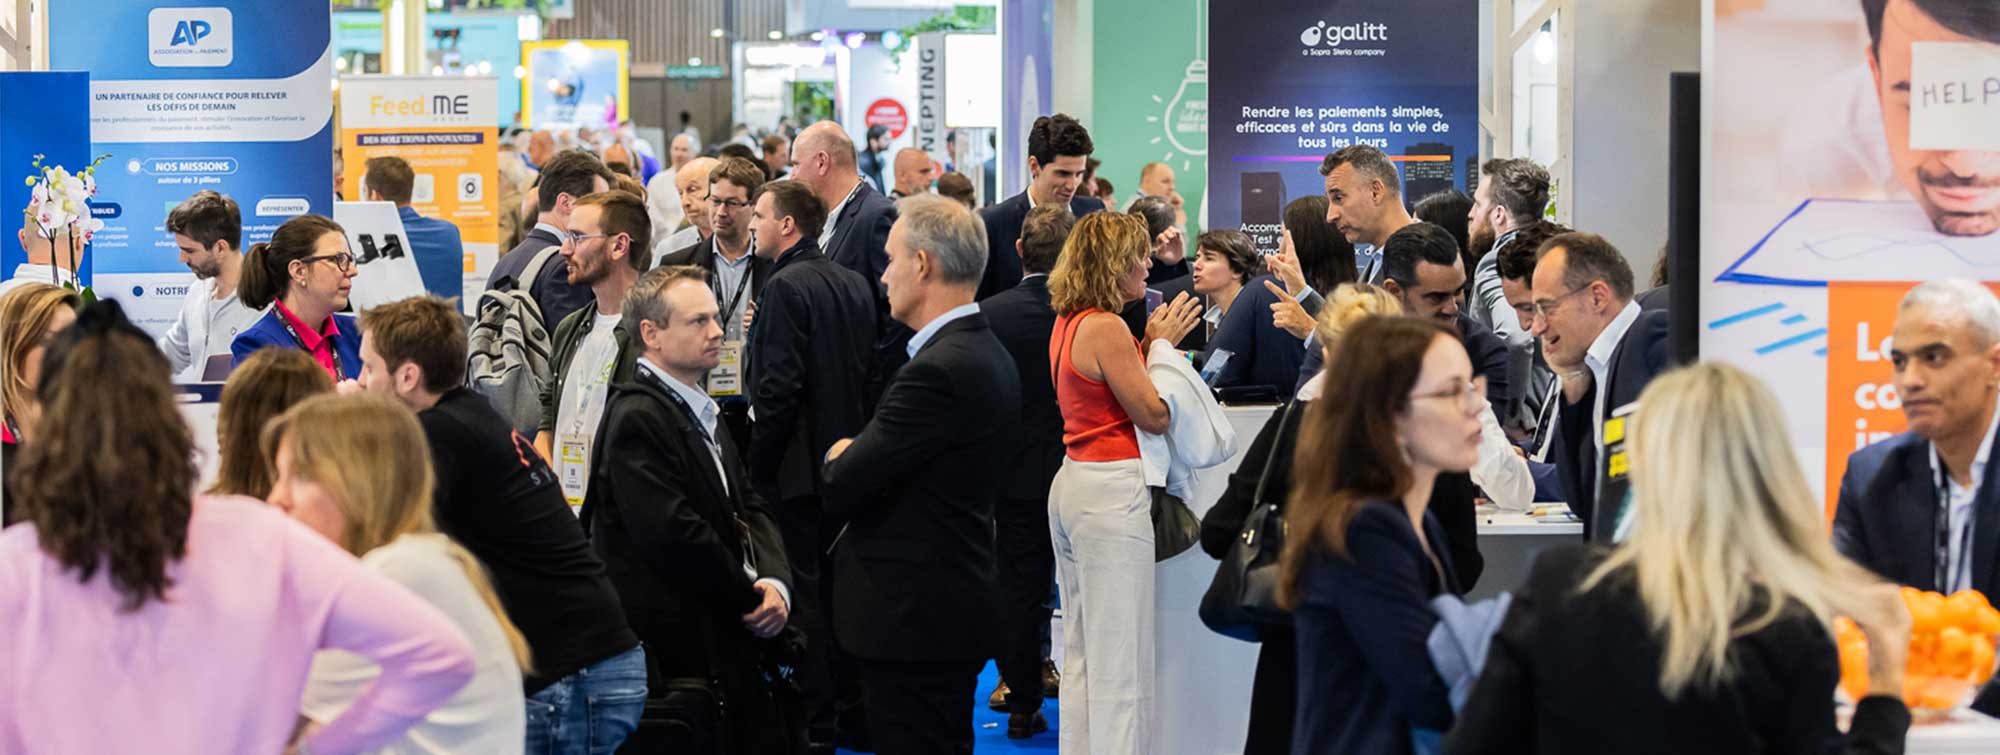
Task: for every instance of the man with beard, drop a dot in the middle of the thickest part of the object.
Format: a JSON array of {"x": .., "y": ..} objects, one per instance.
[
  {"x": 1959, "y": 188},
  {"x": 207, "y": 228},
  {"x": 604, "y": 248},
  {"x": 1511, "y": 195}
]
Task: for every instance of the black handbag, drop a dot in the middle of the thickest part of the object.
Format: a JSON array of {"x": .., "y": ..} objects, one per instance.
[
  {"x": 1243, "y": 597},
  {"x": 1175, "y": 527},
  {"x": 684, "y": 716}
]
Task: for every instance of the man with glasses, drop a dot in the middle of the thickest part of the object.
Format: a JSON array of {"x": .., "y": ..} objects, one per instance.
[
  {"x": 566, "y": 177},
  {"x": 1920, "y": 508},
  {"x": 738, "y": 277},
  {"x": 604, "y": 251},
  {"x": 1605, "y": 351}
]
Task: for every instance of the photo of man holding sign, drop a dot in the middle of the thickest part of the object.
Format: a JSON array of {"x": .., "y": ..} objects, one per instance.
[{"x": 1936, "y": 65}]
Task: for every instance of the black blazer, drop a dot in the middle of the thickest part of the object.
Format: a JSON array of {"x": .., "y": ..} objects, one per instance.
[
  {"x": 860, "y": 243},
  {"x": 1022, "y": 318},
  {"x": 1003, "y": 228},
  {"x": 1579, "y": 673},
  {"x": 551, "y": 289},
  {"x": 701, "y": 254},
  {"x": 914, "y": 574},
  {"x": 810, "y": 348},
  {"x": 1644, "y": 353},
  {"x": 668, "y": 530},
  {"x": 1886, "y": 515}
]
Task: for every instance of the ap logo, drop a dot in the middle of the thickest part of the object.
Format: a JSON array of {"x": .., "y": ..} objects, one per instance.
[
  {"x": 190, "y": 32},
  {"x": 190, "y": 37}
]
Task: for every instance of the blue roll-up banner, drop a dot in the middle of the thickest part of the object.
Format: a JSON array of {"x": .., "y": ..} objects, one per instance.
[
  {"x": 1027, "y": 44},
  {"x": 1402, "y": 75},
  {"x": 230, "y": 95},
  {"x": 47, "y": 115}
]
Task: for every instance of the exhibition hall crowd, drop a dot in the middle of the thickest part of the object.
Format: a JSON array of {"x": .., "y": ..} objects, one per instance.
[{"x": 773, "y": 447}]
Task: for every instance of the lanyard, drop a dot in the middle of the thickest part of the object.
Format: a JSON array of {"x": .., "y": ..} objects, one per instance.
[
  {"x": 287, "y": 322},
  {"x": 715, "y": 447},
  {"x": 728, "y": 306},
  {"x": 1945, "y": 572}
]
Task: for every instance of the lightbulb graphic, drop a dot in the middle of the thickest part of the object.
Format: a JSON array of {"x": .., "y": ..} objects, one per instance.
[{"x": 1186, "y": 119}]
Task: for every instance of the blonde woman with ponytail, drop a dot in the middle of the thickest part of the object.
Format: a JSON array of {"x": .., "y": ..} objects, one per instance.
[
  {"x": 1709, "y": 629},
  {"x": 356, "y": 469}
]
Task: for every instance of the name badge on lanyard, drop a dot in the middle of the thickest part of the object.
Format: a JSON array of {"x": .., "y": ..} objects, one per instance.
[{"x": 727, "y": 377}]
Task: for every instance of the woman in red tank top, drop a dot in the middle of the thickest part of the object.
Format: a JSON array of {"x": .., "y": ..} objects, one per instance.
[{"x": 1099, "y": 507}]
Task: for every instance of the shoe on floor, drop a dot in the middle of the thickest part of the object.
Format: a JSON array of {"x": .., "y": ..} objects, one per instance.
[
  {"x": 997, "y": 702},
  {"x": 1025, "y": 725},
  {"x": 1051, "y": 680}
]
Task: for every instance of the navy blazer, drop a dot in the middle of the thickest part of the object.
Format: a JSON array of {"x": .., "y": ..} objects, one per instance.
[
  {"x": 1022, "y": 318},
  {"x": 270, "y": 332},
  {"x": 1644, "y": 353},
  {"x": 1003, "y": 228},
  {"x": 809, "y": 362},
  {"x": 1260, "y": 352},
  {"x": 1365, "y": 672},
  {"x": 915, "y": 574},
  {"x": 860, "y": 242}
]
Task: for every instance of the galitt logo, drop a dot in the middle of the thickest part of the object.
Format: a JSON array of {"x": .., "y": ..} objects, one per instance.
[
  {"x": 190, "y": 32},
  {"x": 1332, "y": 36}
]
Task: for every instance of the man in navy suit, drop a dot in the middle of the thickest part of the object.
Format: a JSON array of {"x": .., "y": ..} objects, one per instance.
[
  {"x": 1058, "y": 148},
  {"x": 1606, "y": 351},
  {"x": 1923, "y": 508},
  {"x": 856, "y": 235}
]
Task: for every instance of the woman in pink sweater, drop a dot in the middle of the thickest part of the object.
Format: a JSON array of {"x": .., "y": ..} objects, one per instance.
[{"x": 137, "y": 617}]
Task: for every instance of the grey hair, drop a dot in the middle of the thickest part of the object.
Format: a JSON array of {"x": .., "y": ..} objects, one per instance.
[
  {"x": 1964, "y": 298},
  {"x": 646, "y": 302},
  {"x": 1368, "y": 161},
  {"x": 954, "y": 235}
]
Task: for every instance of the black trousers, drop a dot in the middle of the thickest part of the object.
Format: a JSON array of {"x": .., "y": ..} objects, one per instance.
[
  {"x": 1027, "y": 566},
  {"x": 920, "y": 708},
  {"x": 1274, "y": 694},
  {"x": 830, "y": 682}
]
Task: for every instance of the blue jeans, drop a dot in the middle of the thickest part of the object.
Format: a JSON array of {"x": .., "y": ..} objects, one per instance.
[{"x": 591, "y": 711}]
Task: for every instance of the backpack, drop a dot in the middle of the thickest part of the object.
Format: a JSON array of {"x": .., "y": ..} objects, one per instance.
[{"x": 508, "y": 348}]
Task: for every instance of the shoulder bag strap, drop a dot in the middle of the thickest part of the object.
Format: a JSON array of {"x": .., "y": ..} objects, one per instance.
[{"x": 1264, "y": 477}]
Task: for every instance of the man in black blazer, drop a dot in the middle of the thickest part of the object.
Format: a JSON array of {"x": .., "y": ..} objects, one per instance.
[
  {"x": 811, "y": 344},
  {"x": 738, "y": 278},
  {"x": 1947, "y": 360},
  {"x": 1022, "y": 318},
  {"x": 1606, "y": 351},
  {"x": 857, "y": 228},
  {"x": 1058, "y": 150},
  {"x": 569, "y": 176},
  {"x": 915, "y": 575},
  {"x": 695, "y": 555},
  {"x": 1422, "y": 267}
]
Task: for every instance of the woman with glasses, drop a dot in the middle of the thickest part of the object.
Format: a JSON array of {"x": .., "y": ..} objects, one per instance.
[
  {"x": 1366, "y": 555},
  {"x": 304, "y": 273}
]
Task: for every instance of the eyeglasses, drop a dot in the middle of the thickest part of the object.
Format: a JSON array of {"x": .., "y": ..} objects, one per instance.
[
  {"x": 733, "y": 204},
  {"x": 342, "y": 261},
  {"x": 1470, "y": 394},
  {"x": 573, "y": 238},
  {"x": 1546, "y": 307}
]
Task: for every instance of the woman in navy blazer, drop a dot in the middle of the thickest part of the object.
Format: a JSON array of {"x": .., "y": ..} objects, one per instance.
[
  {"x": 1366, "y": 555},
  {"x": 303, "y": 274}
]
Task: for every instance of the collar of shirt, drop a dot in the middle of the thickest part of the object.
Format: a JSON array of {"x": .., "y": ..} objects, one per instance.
[
  {"x": 40, "y": 273},
  {"x": 310, "y": 339},
  {"x": 722, "y": 261},
  {"x": 551, "y": 228},
  {"x": 931, "y": 328},
  {"x": 705, "y": 408},
  {"x": 833, "y": 215},
  {"x": 1978, "y": 471},
  {"x": 1501, "y": 243},
  {"x": 1598, "y": 358},
  {"x": 1034, "y": 275}
]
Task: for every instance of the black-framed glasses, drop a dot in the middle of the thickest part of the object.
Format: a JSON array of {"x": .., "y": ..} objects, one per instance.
[
  {"x": 1546, "y": 307},
  {"x": 342, "y": 261},
  {"x": 1470, "y": 394},
  {"x": 732, "y": 204}
]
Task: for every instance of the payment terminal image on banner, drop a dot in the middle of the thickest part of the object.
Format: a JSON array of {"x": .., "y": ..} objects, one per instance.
[{"x": 384, "y": 270}]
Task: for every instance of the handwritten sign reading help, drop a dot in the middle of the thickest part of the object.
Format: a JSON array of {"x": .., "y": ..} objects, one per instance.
[{"x": 1955, "y": 96}]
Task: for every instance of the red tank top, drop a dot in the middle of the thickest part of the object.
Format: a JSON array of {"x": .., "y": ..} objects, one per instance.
[{"x": 1095, "y": 426}]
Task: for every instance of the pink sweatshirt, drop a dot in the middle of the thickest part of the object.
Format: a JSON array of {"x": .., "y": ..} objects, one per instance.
[{"x": 218, "y": 667}]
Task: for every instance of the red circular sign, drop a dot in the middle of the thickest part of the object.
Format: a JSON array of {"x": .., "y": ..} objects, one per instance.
[{"x": 888, "y": 112}]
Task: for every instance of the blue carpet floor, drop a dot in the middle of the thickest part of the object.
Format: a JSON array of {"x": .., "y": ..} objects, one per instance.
[{"x": 990, "y": 729}]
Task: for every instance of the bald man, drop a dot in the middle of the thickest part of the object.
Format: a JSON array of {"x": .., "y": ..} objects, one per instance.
[
  {"x": 857, "y": 217},
  {"x": 913, "y": 173},
  {"x": 663, "y": 190},
  {"x": 691, "y": 185}
]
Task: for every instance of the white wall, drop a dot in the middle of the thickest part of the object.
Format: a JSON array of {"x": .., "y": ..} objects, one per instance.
[
  {"x": 1071, "y": 60},
  {"x": 1625, "y": 50}
]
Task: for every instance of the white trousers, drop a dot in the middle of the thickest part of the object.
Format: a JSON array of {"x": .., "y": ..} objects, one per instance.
[{"x": 1100, "y": 518}]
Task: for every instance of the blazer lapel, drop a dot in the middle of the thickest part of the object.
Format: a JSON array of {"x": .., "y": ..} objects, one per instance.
[
  {"x": 1916, "y": 506},
  {"x": 691, "y": 435},
  {"x": 1985, "y": 522}
]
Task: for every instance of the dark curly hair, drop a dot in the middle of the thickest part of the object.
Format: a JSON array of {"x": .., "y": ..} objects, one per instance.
[
  {"x": 1056, "y": 136},
  {"x": 111, "y": 485}
]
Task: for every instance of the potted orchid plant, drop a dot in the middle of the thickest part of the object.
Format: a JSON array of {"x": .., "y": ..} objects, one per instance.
[{"x": 60, "y": 207}]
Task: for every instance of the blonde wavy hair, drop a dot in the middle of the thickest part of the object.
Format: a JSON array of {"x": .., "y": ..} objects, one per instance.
[
  {"x": 1101, "y": 249},
  {"x": 1718, "y": 496},
  {"x": 1347, "y": 305},
  {"x": 370, "y": 454}
]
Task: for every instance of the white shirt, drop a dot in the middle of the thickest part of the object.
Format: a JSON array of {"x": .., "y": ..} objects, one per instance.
[
  {"x": 931, "y": 328},
  {"x": 25, "y": 274},
  {"x": 581, "y": 407},
  {"x": 1598, "y": 359},
  {"x": 204, "y": 328},
  {"x": 488, "y": 714},
  {"x": 1958, "y": 511},
  {"x": 833, "y": 217},
  {"x": 663, "y": 203},
  {"x": 708, "y": 413}
]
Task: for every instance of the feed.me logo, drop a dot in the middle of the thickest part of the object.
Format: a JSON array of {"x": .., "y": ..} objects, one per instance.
[{"x": 190, "y": 37}]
